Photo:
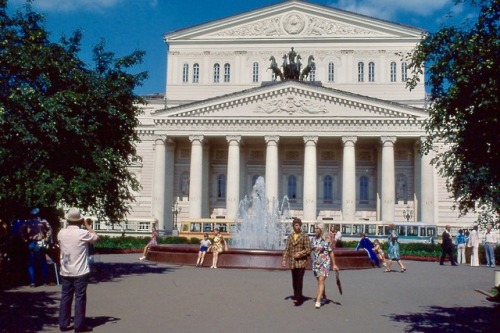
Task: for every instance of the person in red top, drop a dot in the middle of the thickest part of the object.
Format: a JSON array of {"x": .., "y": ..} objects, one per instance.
[{"x": 74, "y": 245}]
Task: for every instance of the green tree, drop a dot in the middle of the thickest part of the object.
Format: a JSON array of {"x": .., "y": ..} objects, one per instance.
[
  {"x": 67, "y": 131},
  {"x": 462, "y": 65}
]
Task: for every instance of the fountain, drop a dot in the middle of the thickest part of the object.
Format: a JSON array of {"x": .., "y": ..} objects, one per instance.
[
  {"x": 258, "y": 240},
  {"x": 260, "y": 224}
]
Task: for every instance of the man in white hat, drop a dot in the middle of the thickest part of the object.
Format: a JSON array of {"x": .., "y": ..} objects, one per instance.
[{"x": 74, "y": 245}]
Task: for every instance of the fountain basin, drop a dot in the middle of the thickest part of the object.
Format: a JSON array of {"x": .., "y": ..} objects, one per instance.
[{"x": 183, "y": 254}]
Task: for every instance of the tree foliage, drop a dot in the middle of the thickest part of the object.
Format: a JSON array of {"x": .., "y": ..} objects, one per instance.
[
  {"x": 67, "y": 130},
  {"x": 462, "y": 66}
]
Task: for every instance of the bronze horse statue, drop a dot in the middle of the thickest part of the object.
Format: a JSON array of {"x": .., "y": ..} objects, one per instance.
[
  {"x": 275, "y": 68},
  {"x": 311, "y": 65}
]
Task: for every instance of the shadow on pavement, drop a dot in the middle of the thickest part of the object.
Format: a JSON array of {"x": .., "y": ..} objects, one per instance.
[
  {"x": 107, "y": 272},
  {"x": 27, "y": 312},
  {"x": 459, "y": 319}
]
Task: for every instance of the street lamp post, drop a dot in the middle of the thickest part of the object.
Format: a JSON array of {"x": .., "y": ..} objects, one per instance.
[
  {"x": 408, "y": 213},
  {"x": 175, "y": 211}
]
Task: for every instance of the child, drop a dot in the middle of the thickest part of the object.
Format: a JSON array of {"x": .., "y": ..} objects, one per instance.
[
  {"x": 378, "y": 250},
  {"x": 204, "y": 245}
]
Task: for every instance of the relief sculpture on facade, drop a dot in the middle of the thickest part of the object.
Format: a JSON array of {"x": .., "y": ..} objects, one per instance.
[{"x": 291, "y": 105}]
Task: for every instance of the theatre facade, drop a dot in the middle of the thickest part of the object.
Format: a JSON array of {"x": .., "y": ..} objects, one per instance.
[{"x": 340, "y": 141}]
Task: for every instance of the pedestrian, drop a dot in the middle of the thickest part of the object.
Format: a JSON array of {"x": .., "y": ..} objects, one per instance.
[
  {"x": 217, "y": 247},
  {"x": 322, "y": 258},
  {"x": 331, "y": 235},
  {"x": 490, "y": 244},
  {"x": 447, "y": 246},
  {"x": 38, "y": 235},
  {"x": 379, "y": 252},
  {"x": 467, "y": 248},
  {"x": 393, "y": 253},
  {"x": 366, "y": 244},
  {"x": 460, "y": 244},
  {"x": 474, "y": 245},
  {"x": 204, "y": 245},
  {"x": 74, "y": 245},
  {"x": 152, "y": 242},
  {"x": 338, "y": 239},
  {"x": 297, "y": 250}
]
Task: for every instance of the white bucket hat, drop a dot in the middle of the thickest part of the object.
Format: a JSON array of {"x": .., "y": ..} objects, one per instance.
[{"x": 74, "y": 215}]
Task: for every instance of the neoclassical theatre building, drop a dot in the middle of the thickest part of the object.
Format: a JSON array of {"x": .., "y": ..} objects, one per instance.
[{"x": 341, "y": 141}]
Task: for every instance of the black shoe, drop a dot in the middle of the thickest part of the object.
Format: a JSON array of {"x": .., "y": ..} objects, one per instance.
[
  {"x": 454, "y": 264},
  {"x": 66, "y": 329},
  {"x": 83, "y": 329}
]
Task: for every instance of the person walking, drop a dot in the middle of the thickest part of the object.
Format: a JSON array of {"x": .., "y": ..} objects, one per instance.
[
  {"x": 322, "y": 258},
  {"x": 393, "y": 251},
  {"x": 204, "y": 245},
  {"x": 490, "y": 244},
  {"x": 152, "y": 242},
  {"x": 460, "y": 244},
  {"x": 297, "y": 250},
  {"x": 74, "y": 246},
  {"x": 447, "y": 246},
  {"x": 474, "y": 244},
  {"x": 366, "y": 244}
]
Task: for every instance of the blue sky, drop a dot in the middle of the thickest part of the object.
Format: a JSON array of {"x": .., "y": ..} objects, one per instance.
[{"x": 129, "y": 25}]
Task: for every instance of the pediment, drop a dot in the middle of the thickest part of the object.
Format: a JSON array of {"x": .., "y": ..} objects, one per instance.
[
  {"x": 289, "y": 100},
  {"x": 295, "y": 19}
]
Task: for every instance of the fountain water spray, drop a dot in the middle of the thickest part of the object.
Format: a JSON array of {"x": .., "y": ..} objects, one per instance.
[{"x": 259, "y": 221}]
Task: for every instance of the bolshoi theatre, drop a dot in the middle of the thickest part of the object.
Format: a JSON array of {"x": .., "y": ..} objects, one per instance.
[{"x": 340, "y": 138}]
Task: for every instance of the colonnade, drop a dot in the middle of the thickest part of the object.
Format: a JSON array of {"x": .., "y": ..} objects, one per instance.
[{"x": 164, "y": 178}]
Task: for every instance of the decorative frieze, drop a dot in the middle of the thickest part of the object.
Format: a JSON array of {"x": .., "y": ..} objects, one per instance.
[{"x": 291, "y": 105}]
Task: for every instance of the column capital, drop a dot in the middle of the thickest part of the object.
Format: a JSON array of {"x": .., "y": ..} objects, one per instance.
[
  {"x": 272, "y": 138},
  {"x": 160, "y": 139},
  {"x": 199, "y": 138},
  {"x": 388, "y": 139},
  {"x": 233, "y": 138},
  {"x": 346, "y": 139},
  {"x": 310, "y": 138}
]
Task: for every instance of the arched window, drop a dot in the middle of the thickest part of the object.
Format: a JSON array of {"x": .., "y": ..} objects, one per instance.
[
  {"x": 327, "y": 189},
  {"x": 216, "y": 73},
  {"x": 363, "y": 190},
  {"x": 393, "y": 72},
  {"x": 331, "y": 72},
  {"x": 185, "y": 73},
  {"x": 255, "y": 72},
  {"x": 361, "y": 72},
  {"x": 371, "y": 72},
  {"x": 404, "y": 74},
  {"x": 221, "y": 187},
  {"x": 196, "y": 73},
  {"x": 292, "y": 188},
  {"x": 227, "y": 72}
]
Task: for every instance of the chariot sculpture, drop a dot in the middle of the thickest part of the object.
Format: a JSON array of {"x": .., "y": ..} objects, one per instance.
[{"x": 291, "y": 67}]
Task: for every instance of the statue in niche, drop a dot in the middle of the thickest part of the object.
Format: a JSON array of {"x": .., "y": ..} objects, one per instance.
[{"x": 185, "y": 185}]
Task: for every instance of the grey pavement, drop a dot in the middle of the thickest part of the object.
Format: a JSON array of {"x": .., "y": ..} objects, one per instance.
[{"x": 128, "y": 295}]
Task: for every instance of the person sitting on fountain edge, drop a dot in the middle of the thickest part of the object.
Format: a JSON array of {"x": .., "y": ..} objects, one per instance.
[{"x": 297, "y": 250}]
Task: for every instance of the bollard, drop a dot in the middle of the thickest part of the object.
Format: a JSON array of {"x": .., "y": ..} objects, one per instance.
[{"x": 497, "y": 278}]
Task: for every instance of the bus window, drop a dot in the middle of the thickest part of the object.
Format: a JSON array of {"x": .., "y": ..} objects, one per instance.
[
  {"x": 401, "y": 229},
  {"x": 357, "y": 229},
  {"x": 185, "y": 226},
  {"x": 387, "y": 230},
  {"x": 222, "y": 227},
  {"x": 431, "y": 231},
  {"x": 370, "y": 229},
  {"x": 412, "y": 230},
  {"x": 347, "y": 229},
  {"x": 311, "y": 228},
  {"x": 305, "y": 227},
  {"x": 380, "y": 230},
  {"x": 208, "y": 227},
  {"x": 195, "y": 227},
  {"x": 422, "y": 232},
  {"x": 232, "y": 228}
]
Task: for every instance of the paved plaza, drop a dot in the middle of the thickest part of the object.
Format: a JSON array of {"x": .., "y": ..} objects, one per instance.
[{"x": 128, "y": 295}]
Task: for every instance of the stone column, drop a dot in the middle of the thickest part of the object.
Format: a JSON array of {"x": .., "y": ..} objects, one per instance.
[
  {"x": 271, "y": 178},
  {"x": 196, "y": 176},
  {"x": 349, "y": 178},
  {"x": 233, "y": 176},
  {"x": 426, "y": 202},
  {"x": 310, "y": 178},
  {"x": 158, "y": 204},
  {"x": 388, "y": 179}
]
